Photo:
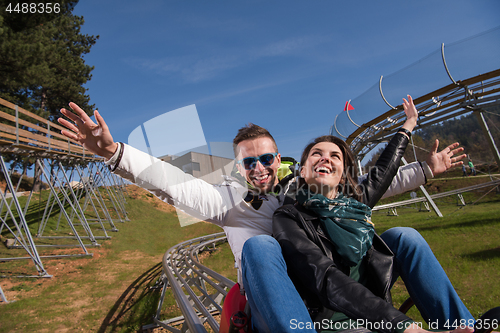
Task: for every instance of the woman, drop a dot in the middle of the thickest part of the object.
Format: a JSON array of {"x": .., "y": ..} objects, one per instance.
[{"x": 339, "y": 265}]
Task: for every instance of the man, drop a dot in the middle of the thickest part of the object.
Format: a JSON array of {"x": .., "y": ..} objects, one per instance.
[
  {"x": 242, "y": 212},
  {"x": 472, "y": 168}
]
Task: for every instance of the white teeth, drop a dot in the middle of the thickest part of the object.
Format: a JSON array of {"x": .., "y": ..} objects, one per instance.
[
  {"x": 322, "y": 169},
  {"x": 261, "y": 177}
]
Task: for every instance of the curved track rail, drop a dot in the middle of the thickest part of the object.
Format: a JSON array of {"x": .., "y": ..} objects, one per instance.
[
  {"x": 198, "y": 290},
  {"x": 471, "y": 95}
]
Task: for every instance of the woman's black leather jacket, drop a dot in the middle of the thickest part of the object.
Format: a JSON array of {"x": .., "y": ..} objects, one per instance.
[{"x": 316, "y": 270}]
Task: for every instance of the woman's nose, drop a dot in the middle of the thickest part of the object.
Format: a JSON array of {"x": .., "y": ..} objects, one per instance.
[{"x": 324, "y": 158}]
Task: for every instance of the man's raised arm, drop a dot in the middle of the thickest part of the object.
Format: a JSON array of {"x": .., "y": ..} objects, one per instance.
[{"x": 192, "y": 195}]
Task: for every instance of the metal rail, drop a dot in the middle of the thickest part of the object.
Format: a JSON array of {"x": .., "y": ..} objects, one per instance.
[
  {"x": 474, "y": 94},
  {"x": 198, "y": 290},
  {"x": 437, "y": 195}
]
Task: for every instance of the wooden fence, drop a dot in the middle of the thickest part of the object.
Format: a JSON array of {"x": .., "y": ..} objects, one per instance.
[{"x": 23, "y": 132}]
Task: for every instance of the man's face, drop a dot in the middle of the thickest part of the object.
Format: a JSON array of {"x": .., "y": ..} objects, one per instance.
[{"x": 261, "y": 177}]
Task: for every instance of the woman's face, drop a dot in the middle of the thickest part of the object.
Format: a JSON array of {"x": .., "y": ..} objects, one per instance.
[{"x": 324, "y": 168}]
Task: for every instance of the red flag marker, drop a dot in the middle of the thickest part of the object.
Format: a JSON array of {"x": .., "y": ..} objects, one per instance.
[{"x": 348, "y": 106}]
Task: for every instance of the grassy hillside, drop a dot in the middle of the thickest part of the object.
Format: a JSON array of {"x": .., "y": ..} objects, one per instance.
[{"x": 110, "y": 292}]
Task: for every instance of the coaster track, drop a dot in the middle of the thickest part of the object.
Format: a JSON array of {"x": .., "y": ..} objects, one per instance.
[
  {"x": 198, "y": 290},
  {"x": 456, "y": 99}
]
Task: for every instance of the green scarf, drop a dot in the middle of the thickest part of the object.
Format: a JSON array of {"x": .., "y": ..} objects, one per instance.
[{"x": 346, "y": 222}]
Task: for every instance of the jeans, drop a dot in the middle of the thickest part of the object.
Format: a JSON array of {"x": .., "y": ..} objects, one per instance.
[
  {"x": 424, "y": 278},
  {"x": 276, "y": 305}
]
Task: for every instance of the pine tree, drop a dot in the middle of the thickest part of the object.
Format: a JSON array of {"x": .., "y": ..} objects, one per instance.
[
  {"x": 41, "y": 61},
  {"x": 41, "y": 58}
]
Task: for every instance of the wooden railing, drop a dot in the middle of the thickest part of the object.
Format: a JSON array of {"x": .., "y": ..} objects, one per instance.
[{"x": 35, "y": 135}]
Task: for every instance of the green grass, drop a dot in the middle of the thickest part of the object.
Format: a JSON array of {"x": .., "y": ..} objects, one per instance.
[
  {"x": 466, "y": 241},
  {"x": 110, "y": 292}
]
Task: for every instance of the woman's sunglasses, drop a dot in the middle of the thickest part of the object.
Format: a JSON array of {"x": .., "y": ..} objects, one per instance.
[{"x": 250, "y": 163}]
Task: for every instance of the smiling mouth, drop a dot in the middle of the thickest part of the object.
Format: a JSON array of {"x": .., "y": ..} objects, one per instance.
[
  {"x": 322, "y": 170},
  {"x": 262, "y": 178}
]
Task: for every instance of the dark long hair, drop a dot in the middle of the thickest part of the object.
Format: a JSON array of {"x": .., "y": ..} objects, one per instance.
[{"x": 350, "y": 186}]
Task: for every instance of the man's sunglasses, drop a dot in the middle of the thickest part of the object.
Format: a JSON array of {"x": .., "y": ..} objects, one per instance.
[{"x": 250, "y": 163}]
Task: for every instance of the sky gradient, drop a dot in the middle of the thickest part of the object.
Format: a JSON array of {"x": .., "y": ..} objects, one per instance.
[{"x": 288, "y": 66}]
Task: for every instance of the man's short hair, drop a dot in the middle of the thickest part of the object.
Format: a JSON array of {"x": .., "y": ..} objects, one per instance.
[{"x": 251, "y": 132}]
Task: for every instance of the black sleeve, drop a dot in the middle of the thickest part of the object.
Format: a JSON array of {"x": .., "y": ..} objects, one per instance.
[{"x": 380, "y": 176}]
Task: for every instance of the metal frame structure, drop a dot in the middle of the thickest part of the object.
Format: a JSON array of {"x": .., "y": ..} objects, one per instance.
[
  {"x": 458, "y": 192},
  {"x": 83, "y": 195},
  {"x": 471, "y": 95},
  {"x": 74, "y": 207},
  {"x": 198, "y": 290},
  {"x": 475, "y": 94}
]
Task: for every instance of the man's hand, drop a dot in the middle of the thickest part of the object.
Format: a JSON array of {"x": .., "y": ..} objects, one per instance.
[
  {"x": 95, "y": 138},
  {"x": 444, "y": 160}
]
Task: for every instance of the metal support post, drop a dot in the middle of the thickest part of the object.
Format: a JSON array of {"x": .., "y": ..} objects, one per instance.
[
  {"x": 487, "y": 134},
  {"x": 392, "y": 212},
  {"x": 78, "y": 211},
  {"x": 426, "y": 207},
  {"x": 460, "y": 200},
  {"x": 104, "y": 175},
  {"x": 88, "y": 187},
  {"x": 17, "y": 124},
  {"x": 63, "y": 210},
  {"x": 427, "y": 196},
  {"x": 117, "y": 193},
  {"x": 2, "y": 296},
  {"x": 25, "y": 239},
  {"x": 5, "y": 193}
]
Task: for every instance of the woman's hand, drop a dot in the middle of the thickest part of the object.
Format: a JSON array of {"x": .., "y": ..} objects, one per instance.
[
  {"x": 445, "y": 159},
  {"x": 96, "y": 138},
  {"x": 411, "y": 114}
]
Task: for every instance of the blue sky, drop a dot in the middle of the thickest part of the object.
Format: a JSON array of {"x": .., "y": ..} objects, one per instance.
[{"x": 288, "y": 66}]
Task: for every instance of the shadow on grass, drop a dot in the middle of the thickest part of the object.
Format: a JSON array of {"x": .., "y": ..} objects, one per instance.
[
  {"x": 136, "y": 306},
  {"x": 468, "y": 224},
  {"x": 437, "y": 226},
  {"x": 483, "y": 255}
]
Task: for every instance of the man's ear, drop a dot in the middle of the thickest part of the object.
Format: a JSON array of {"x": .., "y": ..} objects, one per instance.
[
  {"x": 278, "y": 157},
  {"x": 240, "y": 168}
]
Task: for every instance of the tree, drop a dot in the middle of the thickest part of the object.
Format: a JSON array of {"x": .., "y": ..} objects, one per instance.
[
  {"x": 41, "y": 60},
  {"x": 41, "y": 57}
]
